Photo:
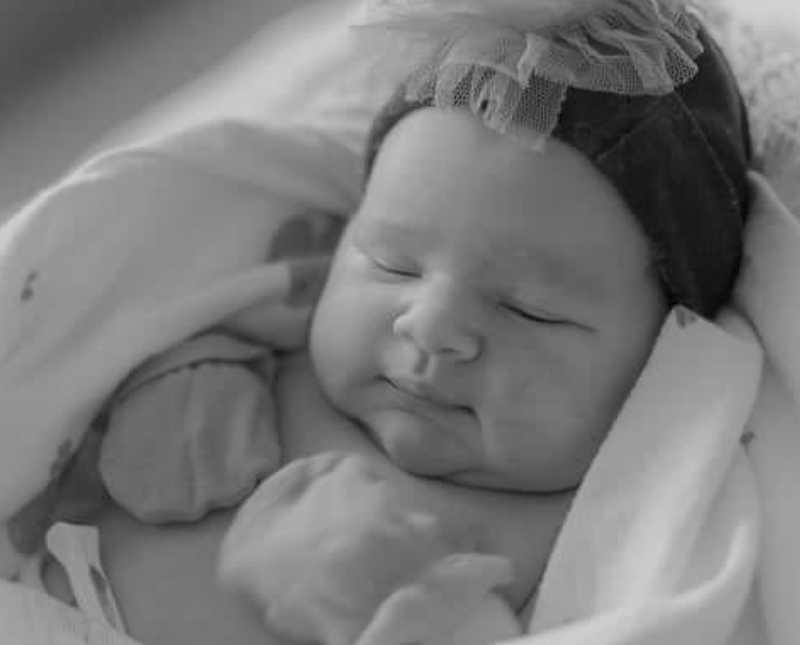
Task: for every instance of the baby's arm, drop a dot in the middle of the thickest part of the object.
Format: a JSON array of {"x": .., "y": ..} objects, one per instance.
[
  {"x": 191, "y": 430},
  {"x": 334, "y": 549}
]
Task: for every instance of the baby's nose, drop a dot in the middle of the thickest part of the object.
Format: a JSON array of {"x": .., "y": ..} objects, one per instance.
[{"x": 439, "y": 321}]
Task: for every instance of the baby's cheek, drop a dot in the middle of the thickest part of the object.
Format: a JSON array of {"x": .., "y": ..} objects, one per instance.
[
  {"x": 542, "y": 403},
  {"x": 529, "y": 377},
  {"x": 340, "y": 347}
]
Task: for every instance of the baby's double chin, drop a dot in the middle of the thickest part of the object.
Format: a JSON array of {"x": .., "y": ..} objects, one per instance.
[{"x": 422, "y": 445}]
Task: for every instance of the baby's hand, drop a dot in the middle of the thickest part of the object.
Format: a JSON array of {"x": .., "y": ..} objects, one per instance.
[{"x": 323, "y": 542}]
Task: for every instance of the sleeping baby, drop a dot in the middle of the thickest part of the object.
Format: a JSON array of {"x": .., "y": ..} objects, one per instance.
[{"x": 485, "y": 314}]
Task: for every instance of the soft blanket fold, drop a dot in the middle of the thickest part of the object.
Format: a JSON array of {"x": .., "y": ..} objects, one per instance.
[
  {"x": 768, "y": 293},
  {"x": 140, "y": 248},
  {"x": 669, "y": 465},
  {"x": 131, "y": 253}
]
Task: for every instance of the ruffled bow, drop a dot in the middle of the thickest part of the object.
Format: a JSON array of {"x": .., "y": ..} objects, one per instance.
[{"x": 484, "y": 53}]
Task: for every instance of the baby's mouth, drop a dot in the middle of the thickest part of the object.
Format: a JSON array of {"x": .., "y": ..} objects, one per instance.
[
  {"x": 425, "y": 393},
  {"x": 422, "y": 429}
]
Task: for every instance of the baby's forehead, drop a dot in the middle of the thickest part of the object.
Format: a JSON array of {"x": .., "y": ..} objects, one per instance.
[{"x": 499, "y": 207}]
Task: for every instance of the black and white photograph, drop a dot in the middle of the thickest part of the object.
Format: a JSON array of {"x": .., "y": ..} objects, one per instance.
[{"x": 399, "y": 322}]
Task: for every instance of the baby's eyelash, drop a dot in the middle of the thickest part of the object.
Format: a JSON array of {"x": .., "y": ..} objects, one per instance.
[
  {"x": 527, "y": 315},
  {"x": 394, "y": 269}
]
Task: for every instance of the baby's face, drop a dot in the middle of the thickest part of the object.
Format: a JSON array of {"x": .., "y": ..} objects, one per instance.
[{"x": 488, "y": 309}]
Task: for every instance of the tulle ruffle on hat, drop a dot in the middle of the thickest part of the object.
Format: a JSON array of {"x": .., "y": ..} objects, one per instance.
[{"x": 494, "y": 56}]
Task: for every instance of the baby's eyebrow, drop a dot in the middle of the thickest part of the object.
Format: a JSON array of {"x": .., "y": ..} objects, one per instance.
[
  {"x": 394, "y": 231},
  {"x": 554, "y": 271}
]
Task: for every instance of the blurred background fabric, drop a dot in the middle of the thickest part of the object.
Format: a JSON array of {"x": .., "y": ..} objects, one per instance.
[{"x": 73, "y": 71}]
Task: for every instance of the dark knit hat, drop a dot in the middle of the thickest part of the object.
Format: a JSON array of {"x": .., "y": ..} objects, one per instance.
[{"x": 679, "y": 160}]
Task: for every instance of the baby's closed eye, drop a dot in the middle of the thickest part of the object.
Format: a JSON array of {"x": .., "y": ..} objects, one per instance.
[
  {"x": 395, "y": 266},
  {"x": 529, "y": 313},
  {"x": 389, "y": 261}
]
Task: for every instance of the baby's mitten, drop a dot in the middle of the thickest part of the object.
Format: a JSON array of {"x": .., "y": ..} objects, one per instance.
[
  {"x": 452, "y": 602},
  {"x": 192, "y": 430},
  {"x": 320, "y": 544}
]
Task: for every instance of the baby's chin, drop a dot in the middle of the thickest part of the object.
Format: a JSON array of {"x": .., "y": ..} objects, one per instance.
[
  {"x": 422, "y": 447},
  {"x": 418, "y": 445}
]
